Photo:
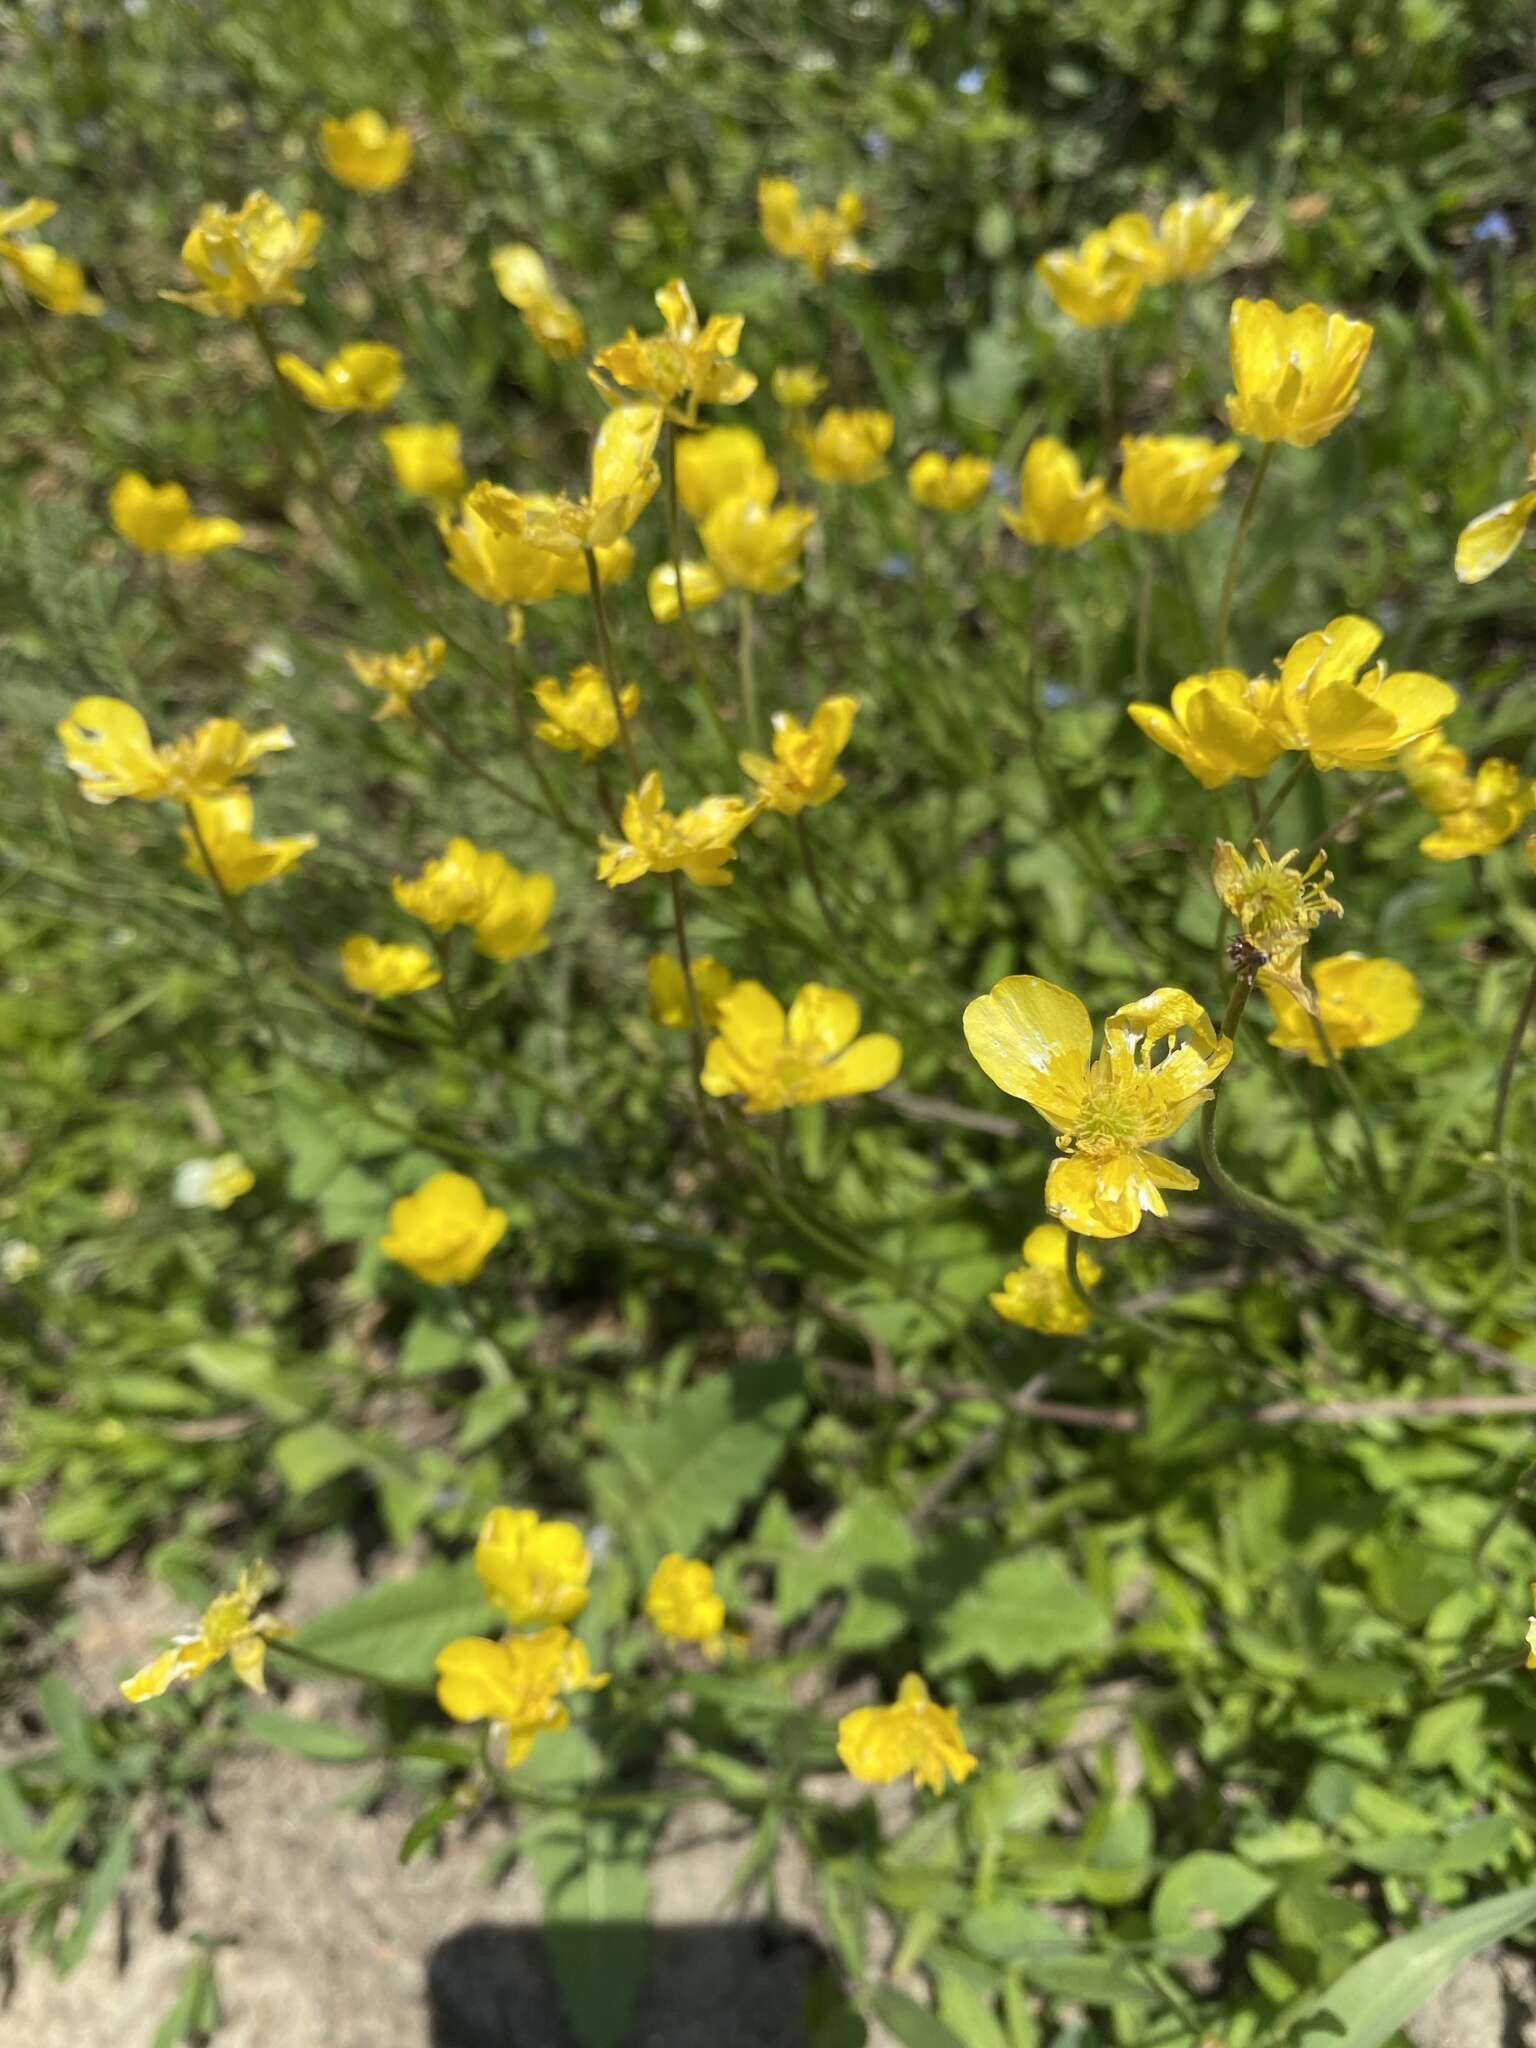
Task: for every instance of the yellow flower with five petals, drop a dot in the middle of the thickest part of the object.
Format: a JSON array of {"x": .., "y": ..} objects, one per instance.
[
  {"x": 1169, "y": 483},
  {"x": 848, "y": 447},
  {"x": 812, "y": 1054},
  {"x": 445, "y": 1231},
  {"x": 426, "y": 459},
  {"x": 823, "y": 238},
  {"x": 1360, "y": 1002},
  {"x": 688, "y": 366},
  {"x": 1056, "y": 508},
  {"x": 699, "y": 842},
  {"x": 158, "y": 519},
  {"x": 400, "y": 677},
  {"x": 506, "y": 910},
  {"x": 364, "y": 152},
  {"x": 1192, "y": 233},
  {"x": 534, "y": 1571},
  {"x": 240, "y": 861},
  {"x": 1296, "y": 373},
  {"x": 1219, "y": 725},
  {"x": 579, "y": 717},
  {"x": 373, "y": 968},
  {"x": 803, "y": 772},
  {"x": 914, "y": 1737},
  {"x": 516, "y": 1685},
  {"x": 247, "y": 259},
  {"x": 232, "y": 1626},
  {"x": 624, "y": 481},
  {"x": 944, "y": 484},
  {"x": 1346, "y": 716},
  {"x": 108, "y": 746},
  {"x": 720, "y": 463},
  {"x": 681, "y": 1602},
  {"x": 1099, "y": 283},
  {"x": 362, "y": 377},
  {"x": 1480, "y": 811},
  {"x": 668, "y": 993},
  {"x": 1037, "y": 1295},
  {"x": 753, "y": 545}
]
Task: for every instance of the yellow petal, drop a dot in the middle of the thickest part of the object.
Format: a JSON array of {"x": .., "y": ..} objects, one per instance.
[
  {"x": 1033, "y": 1040},
  {"x": 870, "y": 1062},
  {"x": 1492, "y": 538},
  {"x": 472, "y": 1680},
  {"x": 822, "y": 1021}
]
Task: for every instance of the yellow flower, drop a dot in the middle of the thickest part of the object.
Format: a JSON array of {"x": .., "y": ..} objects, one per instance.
[
  {"x": 445, "y": 1232},
  {"x": 822, "y": 239},
  {"x": 1296, "y": 373},
  {"x": 535, "y": 1572},
  {"x": 231, "y": 1627},
  {"x": 681, "y": 1602},
  {"x": 107, "y": 744},
  {"x": 1530, "y": 1636},
  {"x": 216, "y": 1183},
  {"x": 948, "y": 486},
  {"x": 580, "y": 718},
  {"x": 375, "y": 969},
  {"x": 624, "y": 481},
  {"x": 400, "y": 676},
  {"x": 1436, "y": 772},
  {"x": 1492, "y": 537},
  {"x": 364, "y": 152},
  {"x": 701, "y": 586},
  {"x": 1170, "y": 482},
  {"x": 362, "y": 377},
  {"x": 159, "y": 520},
  {"x": 547, "y": 313},
  {"x": 753, "y": 545},
  {"x": 1098, "y": 284},
  {"x": 1193, "y": 232},
  {"x": 247, "y": 259},
  {"x": 466, "y": 885},
  {"x": 712, "y": 983},
  {"x": 721, "y": 463},
  {"x": 1492, "y": 805},
  {"x": 1219, "y": 725},
  {"x": 797, "y": 385},
  {"x": 915, "y": 1737},
  {"x": 515, "y": 1684},
  {"x": 27, "y": 213},
  {"x": 1277, "y": 908},
  {"x": 689, "y": 363},
  {"x": 1035, "y": 1041},
  {"x": 813, "y": 1055},
  {"x": 1359, "y": 1002},
  {"x": 1056, "y": 508},
  {"x": 426, "y": 459},
  {"x": 698, "y": 842},
  {"x": 1038, "y": 1294},
  {"x": 848, "y": 447},
  {"x": 511, "y": 924},
  {"x": 803, "y": 773},
  {"x": 242, "y": 862},
  {"x": 1346, "y": 719},
  {"x": 56, "y": 282},
  {"x": 498, "y": 565}
]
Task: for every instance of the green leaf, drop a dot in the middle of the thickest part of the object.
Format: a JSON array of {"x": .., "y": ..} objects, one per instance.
[
  {"x": 245, "y": 1371},
  {"x": 309, "y": 1458},
  {"x": 322, "y": 1741},
  {"x": 1206, "y": 1890},
  {"x": 101, "y": 1889},
  {"x": 830, "y": 2021},
  {"x": 1025, "y": 1612},
  {"x": 911, "y": 2023},
  {"x": 394, "y": 1632},
  {"x": 426, "y": 1827}
]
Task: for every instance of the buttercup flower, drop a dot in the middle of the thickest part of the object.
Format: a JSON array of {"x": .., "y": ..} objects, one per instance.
[
  {"x": 1170, "y": 482},
  {"x": 159, "y": 520},
  {"x": 753, "y": 545},
  {"x": 400, "y": 676},
  {"x": 240, "y": 861},
  {"x": 797, "y": 385},
  {"x": 248, "y": 258},
  {"x": 1193, "y": 232},
  {"x": 364, "y": 152},
  {"x": 915, "y": 1737},
  {"x": 212, "y": 1183},
  {"x": 624, "y": 481},
  {"x": 1035, "y": 1040},
  {"x": 1219, "y": 725},
  {"x": 535, "y": 1572},
  {"x": 1098, "y": 284},
  {"x": 547, "y": 313},
  {"x": 712, "y": 983},
  {"x": 848, "y": 447},
  {"x": 426, "y": 459},
  {"x": 1038, "y": 1295},
  {"x": 701, "y": 586},
  {"x": 1346, "y": 719},
  {"x": 498, "y": 565},
  {"x": 511, "y": 924},
  {"x": 383, "y": 971},
  {"x": 813, "y": 1055},
  {"x": 721, "y": 463},
  {"x": 506, "y": 909},
  {"x": 580, "y": 717},
  {"x": 803, "y": 772},
  {"x": 1359, "y": 1002},
  {"x": 681, "y": 1602},
  {"x": 686, "y": 367},
  {"x": 1295, "y": 373},
  {"x": 515, "y": 1684},
  {"x": 822, "y": 239},
  {"x": 698, "y": 842},
  {"x": 1492, "y": 537},
  {"x": 362, "y": 377},
  {"x": 1056, "y": 508},
  {"x": 1277, "y": 908},
  {"x": 445, "y": 1232},
  {"x": 232, "y": 1626},
  {"x": 107, "y": 744},
  {"x": 1436, "y": 772},
  {"x": 28, "y": 213},
  {"x": 56, "y": 281},
  {"x": 1488, "y": 808},
  {"x": 945, "y": 485}
]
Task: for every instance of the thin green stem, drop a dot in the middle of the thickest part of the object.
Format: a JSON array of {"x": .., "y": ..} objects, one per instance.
[
  {"x": 1239, "y": 1196},
  {"x": 748, "y": 671},
  {"x": 1350, "y": 1096},
  {"x": 1501, "y": 1100},
  {"x": 813, "y": 876},
  {"x": 705, "y": 687},
  {"x": 1143, "y": 621},
  {"x": 610, "y": 666},
  {"x": 240, "y": 935},
  {"x": 1229, "y": 577},
  {"x": 685, "y": 962},
  {"x": 472, "y": 765},
  {"x": 1266, "y": 816}
]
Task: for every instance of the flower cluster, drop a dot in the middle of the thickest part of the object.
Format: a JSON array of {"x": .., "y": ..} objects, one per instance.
[{"x": 506, "y": 910}]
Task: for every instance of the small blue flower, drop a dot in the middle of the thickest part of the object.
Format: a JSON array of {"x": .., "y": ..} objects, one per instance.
[
  {"x": 896, "y": 566},
  {"x": 972, "y": 81},
  {"x": 1003, "y": 479},
  {"x": 1054, "y": 695},
  {"x": 1494, "y": 227},
  {"x": 877, "y": 143}
]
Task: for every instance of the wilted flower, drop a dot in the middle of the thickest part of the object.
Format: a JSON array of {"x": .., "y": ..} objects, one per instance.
[
  {"x": 698, "y": 842},
  {"x": 426, "y": 459},
  {"x": 803, "y": 772},
  {"x": 1170, "y": 482},
  {"x": 400, "y": 676},
  {"x": 1277, "y": 908},
  {"x": 580, "y": 718},
  {"x": 547, "y": 313},
  {"x": 797, "y": 385},
  {"x": 848, "y": 447},
  {"x": 159, "y": 520},
  {"x": 1346, "y": 719},
  {"x": 1296, "y": 373},
  {"x": 231, "y": 1627},
  {"x": 445, "y": 1231},
  {"x": 753, "y": 545},
  {"x": 107, "y": 744},
  {"x": 56, "y": 282},
  {"x": 1098, "y": 284},
  {"x": 1038, "y": 1295},
  {"x": 240, "y": 861},
  {"x": 624, "y": 481},
  {"x": 373, "y": 968},
  {"x": 945, "y": 485},
  {"x": 1219, "y": 725},
  {"x": 247, "y": 259},
  {"x": 1035, "y": 1040},
  {"x": 721, "y": 463},
  {"x": 1056, "y": 508},
  {"x": 822, "y": 239},
  {"x": 1359, "y": 1002},
  {"x": 515, "y": 1684},
  {"x": 1193, "y": 232},
  {"x": 681, "y": 1602},
  {"x": 364, "y": 152},
  {"x": 1479, "y": 812},
  {"x": 686, "y": 367},
  {"x": 535, "y": 1572},
  {"x": 814, "y": 1054},
  {"x": 712, "y": 983},
  {"x": 362, "y": 377},
  {"x": 1492, "y": 537},
  {"x": 212, "y": 1183},
  {"x": 915, "y": 1737}
]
